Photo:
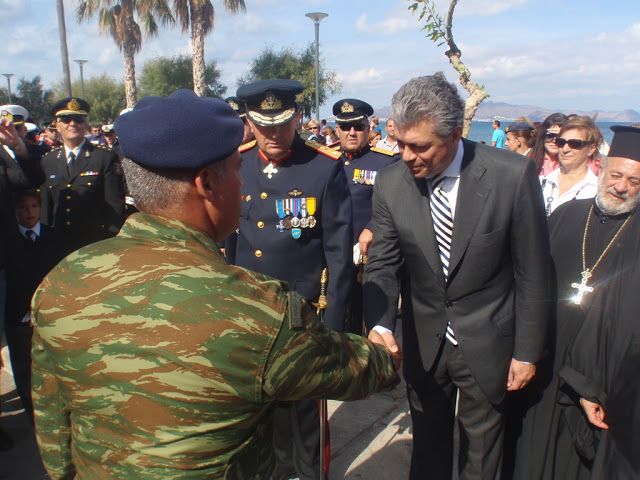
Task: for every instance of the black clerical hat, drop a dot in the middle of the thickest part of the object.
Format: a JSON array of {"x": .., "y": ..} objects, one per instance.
[{"x": 625, "y": 143}]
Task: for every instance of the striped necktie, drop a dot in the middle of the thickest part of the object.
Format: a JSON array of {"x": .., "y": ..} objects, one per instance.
[{"x": 443, "y": 227}]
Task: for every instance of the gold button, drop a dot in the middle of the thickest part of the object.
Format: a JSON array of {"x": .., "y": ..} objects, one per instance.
[
  {"x": 260, "y": 224},
  {"x": 248, "y": 199},
  {"x": 89, "y": 184},
  {"x": 68, "y": 197},
  {"x": 68, "y": 223},
  {"x": 68, "y": 185},
  {"x": 264, "y": 195},
  {"x": 258, "y": 253},
  {"x": 347, "y": 162},
  {"x": 68, "y": 210}
]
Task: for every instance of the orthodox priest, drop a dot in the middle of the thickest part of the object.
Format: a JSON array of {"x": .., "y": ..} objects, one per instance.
[{"x": 584, "y": 416}]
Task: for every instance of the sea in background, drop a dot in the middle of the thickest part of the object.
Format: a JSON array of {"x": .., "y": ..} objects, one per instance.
[{"x": 482, "y": 131}]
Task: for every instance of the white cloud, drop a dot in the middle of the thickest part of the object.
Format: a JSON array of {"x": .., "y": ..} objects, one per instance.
[{"x": 484, "y": 8}]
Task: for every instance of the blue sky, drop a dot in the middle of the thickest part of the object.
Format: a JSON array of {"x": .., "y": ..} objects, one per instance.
[{"x": 550, "y": 53}]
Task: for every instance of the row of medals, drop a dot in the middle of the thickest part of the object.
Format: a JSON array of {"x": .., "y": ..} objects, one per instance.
[
  {"x": 364, "y": 177},
  {"x": 296, "y": 213}
]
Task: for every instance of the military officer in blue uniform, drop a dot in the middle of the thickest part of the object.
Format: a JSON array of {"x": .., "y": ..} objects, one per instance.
[
  {"x": 83, "y": 195},
  {"x": 295, "y": 221},
  {"x": 362, "y": 163},
  {"x": 240, "y": 108}
]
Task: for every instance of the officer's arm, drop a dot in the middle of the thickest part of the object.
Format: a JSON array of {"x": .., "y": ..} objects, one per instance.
[
  {"x": 337, "y": 235},
  {"x": 114, "y": 196},
  {"x": 310, "y": 361},
  {"x": 52, "y": 418}
]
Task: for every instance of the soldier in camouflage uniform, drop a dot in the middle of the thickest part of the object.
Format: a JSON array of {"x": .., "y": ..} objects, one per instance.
[{"x": 153, "y": 357}]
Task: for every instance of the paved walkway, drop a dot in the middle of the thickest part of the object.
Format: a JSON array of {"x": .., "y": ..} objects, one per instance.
[{"x": 371, "y": 438}]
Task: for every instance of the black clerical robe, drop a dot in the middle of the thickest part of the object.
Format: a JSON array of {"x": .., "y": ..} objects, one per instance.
[{"x": 554, "y": 432}]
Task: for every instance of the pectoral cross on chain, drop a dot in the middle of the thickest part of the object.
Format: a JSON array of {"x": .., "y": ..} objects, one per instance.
[
  {"x": 270, "y": 170},
  {"x": 582, "y": 287}
]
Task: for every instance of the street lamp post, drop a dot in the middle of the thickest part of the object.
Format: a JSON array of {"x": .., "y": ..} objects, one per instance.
[
  {"x": 81, "y": 63},
  {"x": 9, "y": 75},
  {"x": 316, "y": 17}
]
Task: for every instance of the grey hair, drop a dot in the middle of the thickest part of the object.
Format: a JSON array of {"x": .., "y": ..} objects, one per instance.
[
  {"x": 156, "y": 189},
  {"x": 429, "y": 98}
]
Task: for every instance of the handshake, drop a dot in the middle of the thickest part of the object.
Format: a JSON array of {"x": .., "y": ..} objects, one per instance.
[{"x": 388, "y": 341}]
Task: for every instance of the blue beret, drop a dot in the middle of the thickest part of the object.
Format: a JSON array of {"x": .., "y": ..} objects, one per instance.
[
  {"x": 180, "y": 131},
  {"x": 351, "y": 109},
  {"x": 271, "y": 102}
]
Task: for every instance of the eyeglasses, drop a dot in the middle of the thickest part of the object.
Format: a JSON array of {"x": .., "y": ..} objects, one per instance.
[
  {"x": 346, "y": 127},
  {"x": 574, "y": 143},
  {"x": 314, "y": 128},
  {"x": 70, "y": 118},
  {"x": 550, "y": 137}
]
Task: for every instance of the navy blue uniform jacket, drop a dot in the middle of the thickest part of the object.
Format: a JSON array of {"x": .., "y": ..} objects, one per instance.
[{"x": 261, "y": 247}]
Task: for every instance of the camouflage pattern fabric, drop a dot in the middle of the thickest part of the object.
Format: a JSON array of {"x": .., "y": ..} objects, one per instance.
[{"x": 153, "y": 358}]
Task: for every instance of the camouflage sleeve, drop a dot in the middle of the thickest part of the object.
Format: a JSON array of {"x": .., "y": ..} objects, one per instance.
[
  {"x": 52, "y": 418},
  {"x": 311, "y": 361}
]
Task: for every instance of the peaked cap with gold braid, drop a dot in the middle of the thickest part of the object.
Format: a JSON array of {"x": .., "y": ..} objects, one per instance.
[
  {"x": 351, "y": 110},
  {"x": 271, "y": 102}
]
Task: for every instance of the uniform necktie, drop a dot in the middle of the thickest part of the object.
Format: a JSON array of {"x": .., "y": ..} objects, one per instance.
[
  {"x": 443, "y": 227},
  {"x": 70, "y": 160},
  {"x": 31, "y": 235}
]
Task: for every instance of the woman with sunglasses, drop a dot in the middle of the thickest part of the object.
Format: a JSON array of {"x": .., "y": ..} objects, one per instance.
[
  {"x": 578, "y": 142},
  {"x": 545, "y": 150}
]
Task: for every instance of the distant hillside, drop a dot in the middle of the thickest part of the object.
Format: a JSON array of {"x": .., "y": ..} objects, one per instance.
[{"x": 488, "y": 111}]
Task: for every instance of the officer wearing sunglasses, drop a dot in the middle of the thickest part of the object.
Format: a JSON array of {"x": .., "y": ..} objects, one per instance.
[
  {"x": 362, "y": 164},
  {"x": 83, "y": 195}
]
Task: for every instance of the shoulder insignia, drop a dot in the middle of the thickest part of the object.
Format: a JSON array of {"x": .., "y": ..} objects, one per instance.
[
  {"x": 247, "y": 146},
  {"x": 295, "y": 311},
  {"x": 334, "y": 145},
  {"x": 383, "y": 151},
  {"x": 323, "y": 149},
  {"x": 117, "y": 168}
]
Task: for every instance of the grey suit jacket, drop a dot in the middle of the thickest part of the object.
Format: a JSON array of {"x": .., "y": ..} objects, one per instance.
[{"x": 498, "y": 289}]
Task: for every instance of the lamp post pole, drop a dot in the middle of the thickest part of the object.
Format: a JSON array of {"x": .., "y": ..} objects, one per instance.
[
  {"x": 81, "y": 63},
  {"x": 317, "y": 17},
  {"x": 9, "y": 75}
]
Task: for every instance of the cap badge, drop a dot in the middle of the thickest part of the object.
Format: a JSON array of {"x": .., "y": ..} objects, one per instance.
[
  {"x": 6, "y": 114},
  {"x": 73, "y": 105},
  {"x": 233, "y": 105},
  {"x": 271, "y": 102},
  {"x": 347, "y": 108}
]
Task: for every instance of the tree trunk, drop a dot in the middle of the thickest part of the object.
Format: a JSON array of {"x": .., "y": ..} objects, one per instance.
[
  {"x": 129, "y": 50},
  {"x": 62, "y": 30},
  {"x": 476, "y": 92},
  {"x": 197, "y": 45}
]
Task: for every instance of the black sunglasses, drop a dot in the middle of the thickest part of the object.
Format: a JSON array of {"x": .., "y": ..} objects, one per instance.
[
  {"x": 574, "y": 144},
  {"x": 69, "y": 118},
  {"x": 550, "y": 136},
  {"x": 358, "y": 127}
]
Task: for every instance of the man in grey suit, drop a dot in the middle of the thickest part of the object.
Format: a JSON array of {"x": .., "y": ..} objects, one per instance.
[{"x": 459, "y": 229}]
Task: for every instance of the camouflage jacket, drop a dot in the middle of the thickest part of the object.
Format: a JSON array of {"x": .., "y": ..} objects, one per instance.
[{"x": 153, "y": 358}]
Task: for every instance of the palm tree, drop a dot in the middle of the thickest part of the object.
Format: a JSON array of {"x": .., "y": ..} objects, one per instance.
[
  {"x": 118, "y": 19},
  {"x": 198, "y": 15}
]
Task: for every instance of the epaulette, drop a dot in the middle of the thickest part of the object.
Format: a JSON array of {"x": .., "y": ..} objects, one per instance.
[
  {"x": 334, "y": 145},
  {"x": 383, "y": 151},
  {"x": 323, "y": 149},
  {"x": 295, "y": 311},
  {"x": 103, "y": 146},
  {"x": 247, "y": 146}
]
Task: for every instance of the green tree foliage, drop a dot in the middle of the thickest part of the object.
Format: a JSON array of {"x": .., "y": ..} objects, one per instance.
[
  {"x": 292, "y": 65},
  {"x": 31, "y": 95},
  {"x": 4, "y": 96},
  {"x": 104, "y": 93},
  {"x": 164, "y": 75}
]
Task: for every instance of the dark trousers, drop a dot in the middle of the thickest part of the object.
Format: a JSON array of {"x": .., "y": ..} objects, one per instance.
[
  {"x": 480, "y": 423},
  {"x": 19, "y": 343},
  {"x": 297, "y": 440}
]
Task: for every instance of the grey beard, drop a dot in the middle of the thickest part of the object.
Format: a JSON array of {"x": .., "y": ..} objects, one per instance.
[{"x": 607, "y": 208}]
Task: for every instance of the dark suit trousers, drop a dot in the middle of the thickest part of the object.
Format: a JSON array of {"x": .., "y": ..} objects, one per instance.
[
  {"x": 19, "y": 343},
  {"x": 480, "y": 423},
  {"x": 297, "y": 440}
]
